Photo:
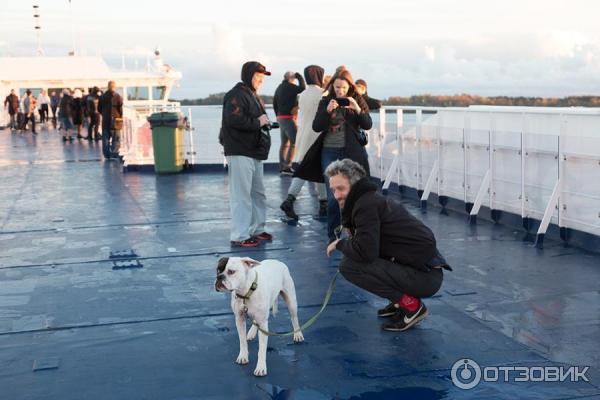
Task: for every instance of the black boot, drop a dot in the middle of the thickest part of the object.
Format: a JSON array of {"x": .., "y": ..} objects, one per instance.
[
  {"x": 322, "y": 208},
  {"x": 288, "y": 207}
]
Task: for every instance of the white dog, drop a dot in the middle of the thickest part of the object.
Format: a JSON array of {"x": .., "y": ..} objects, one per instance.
[{"x": 255, "y": 287}]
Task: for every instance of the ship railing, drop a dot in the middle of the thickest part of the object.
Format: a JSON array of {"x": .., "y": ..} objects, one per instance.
[
  {"x": 136, "y": 136},
  {"x": 542, "y": 164}
]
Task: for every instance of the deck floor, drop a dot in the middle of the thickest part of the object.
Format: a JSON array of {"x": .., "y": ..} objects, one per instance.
[{"x": 72, "y": 327}]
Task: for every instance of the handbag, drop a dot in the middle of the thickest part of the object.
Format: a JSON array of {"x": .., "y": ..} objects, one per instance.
[
  {"x": 264, "y": 134},
  {"x": 264, "y": 141},
  {"x": 117, "y": 124},
  {"x": 363, "y": 137}
]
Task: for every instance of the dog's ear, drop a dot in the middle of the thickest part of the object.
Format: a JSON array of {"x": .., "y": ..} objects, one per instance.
[
  {"x": 221, "y": 264},
  {"x": 249, "y": 262}
]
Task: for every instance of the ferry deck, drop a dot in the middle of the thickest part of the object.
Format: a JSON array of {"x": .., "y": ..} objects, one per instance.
[{"x": 107, "y": 292}]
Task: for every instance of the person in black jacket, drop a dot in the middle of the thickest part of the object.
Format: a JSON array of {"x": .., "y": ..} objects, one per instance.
[
  {"x": 388, "y": 252},
  {"x": 361, "y": 88},
  {"x": 91, "y": 104},
  {"x": 111, "y": 108},
  {"x": 340, "y": 126},
  {"x": 77, "y": 107},
  {"x": 12, "y": 103},
  {"x": 284, "y": 102},
  {"x": 246, "y": 142},
  {"x": 65, "y": 114}
]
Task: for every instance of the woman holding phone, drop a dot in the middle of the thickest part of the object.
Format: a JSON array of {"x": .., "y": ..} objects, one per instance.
[{"x": 341, "y": 114}]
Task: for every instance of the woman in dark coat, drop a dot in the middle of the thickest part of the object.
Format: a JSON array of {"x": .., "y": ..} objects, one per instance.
[
  {"x": 341, "y": 115},
  {"x": 77, "y": 106}
]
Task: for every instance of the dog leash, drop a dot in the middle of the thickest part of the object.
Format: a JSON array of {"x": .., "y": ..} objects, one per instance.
[{"x": 311, "y": 320}]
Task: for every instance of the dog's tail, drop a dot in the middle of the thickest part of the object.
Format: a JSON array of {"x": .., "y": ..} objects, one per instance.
[{"x": 274, "y": 306}]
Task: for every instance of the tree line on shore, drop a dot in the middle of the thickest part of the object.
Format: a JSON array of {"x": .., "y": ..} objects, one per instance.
[{"x": 459, "y": 100}]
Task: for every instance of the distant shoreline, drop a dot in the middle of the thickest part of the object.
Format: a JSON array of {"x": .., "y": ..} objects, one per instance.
[{"x": 459, "y": 100}]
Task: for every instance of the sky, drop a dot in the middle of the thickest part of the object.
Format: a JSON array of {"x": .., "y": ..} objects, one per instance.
[{"x": 517, "y": 48}]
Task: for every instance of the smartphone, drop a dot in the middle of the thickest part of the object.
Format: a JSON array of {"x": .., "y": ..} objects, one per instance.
[{"x": 343, "y": 101}]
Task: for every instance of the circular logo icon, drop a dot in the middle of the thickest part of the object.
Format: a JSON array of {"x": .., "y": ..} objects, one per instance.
[{"x": 466, "y": 373}]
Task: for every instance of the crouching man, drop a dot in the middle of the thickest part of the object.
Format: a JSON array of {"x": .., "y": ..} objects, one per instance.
[{"x": 388, "y": 252}]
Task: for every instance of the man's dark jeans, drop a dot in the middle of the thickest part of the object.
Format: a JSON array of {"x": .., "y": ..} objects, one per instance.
[
  {"x": 111, "y": 141},
  {"x": 93, "y": 125},
  {"x": 391, "y": 280}
]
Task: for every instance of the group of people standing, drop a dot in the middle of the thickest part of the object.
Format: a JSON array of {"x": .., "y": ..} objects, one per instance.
[
  {"x": 315, "y": 130},
  {"x": 324, "y": 131},
  {"x": 71, "y": 111},
  {"x": 386, "y": 250}
]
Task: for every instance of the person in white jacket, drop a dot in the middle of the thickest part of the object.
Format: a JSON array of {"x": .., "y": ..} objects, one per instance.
[
  {"x": 43, "y": 104},
  {"x": 308, "y": 102}
]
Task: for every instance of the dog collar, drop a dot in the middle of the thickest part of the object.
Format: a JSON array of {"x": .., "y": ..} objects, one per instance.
[{"x": 250, "y": 291}]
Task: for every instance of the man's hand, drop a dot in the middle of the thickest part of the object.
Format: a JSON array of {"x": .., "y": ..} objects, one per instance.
[
  {"x": 263, "y": 120},
  {"x": 331, "y": 247}
]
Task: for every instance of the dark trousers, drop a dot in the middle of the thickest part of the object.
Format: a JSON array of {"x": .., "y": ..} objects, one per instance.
[
  {"x": 329, "y": 155},
  {"x": 93, "y": 125},
  {"x": 43, "y": 113},
  {"x": 111, "y": 140},
  {"x": 26, "y": 119},
  {"x": 390, "y": 280},
  {"x": 53, "y": 108},
  {"x": 13, "y": 121}
]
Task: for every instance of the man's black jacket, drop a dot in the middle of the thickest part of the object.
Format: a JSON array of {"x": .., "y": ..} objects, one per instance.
[
  {"x": 110, "y": 106},
  {"x": 13, "y": 103},
  {"x": 382, "y": 228},
  {"x": 240, "y": 129},
  {"x": 286, "y": 96}
]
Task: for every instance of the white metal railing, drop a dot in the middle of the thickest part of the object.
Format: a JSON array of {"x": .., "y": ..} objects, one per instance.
[
  {"x": 539, "y": 163},
  {"x": 150, "y": 107},
  {"x": 4, "y": 117},
  {"x": 136, "y": 137}
]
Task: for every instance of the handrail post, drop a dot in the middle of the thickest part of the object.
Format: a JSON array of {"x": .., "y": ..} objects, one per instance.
[{"x": 419, "y": 118}]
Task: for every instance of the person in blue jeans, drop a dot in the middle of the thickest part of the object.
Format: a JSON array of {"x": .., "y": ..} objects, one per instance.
[
  {"x": 340, "y": 117},
  {"x": 284, "y": 101}
]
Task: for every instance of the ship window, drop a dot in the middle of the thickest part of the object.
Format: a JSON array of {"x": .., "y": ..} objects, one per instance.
[
  {"x": 158, "y": 92},
  {"x": 137, "y": 93},
  {"x": 34, "y": 91}
]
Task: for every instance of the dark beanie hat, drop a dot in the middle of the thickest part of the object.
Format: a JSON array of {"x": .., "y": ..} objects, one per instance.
[
  {"x": 314, "y": 75},
  {"x": 361, "y": 82},
  {"x": 249, "y": 69}
]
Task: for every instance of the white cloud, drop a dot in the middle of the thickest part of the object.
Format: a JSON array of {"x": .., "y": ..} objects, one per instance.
[
  {"x": 227, "y": 47},
  {"x": 400, "y": 48}
]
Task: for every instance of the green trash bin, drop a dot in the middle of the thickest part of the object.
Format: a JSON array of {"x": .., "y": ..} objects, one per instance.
[{"x": 167, "y": 141}]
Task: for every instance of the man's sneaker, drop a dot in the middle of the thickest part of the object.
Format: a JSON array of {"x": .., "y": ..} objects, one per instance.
[
  {"x": 287, "y": 172},
  {"x": 288, "y": 207},
  {"x": 388, "y": 311},
  {"x": 404, "y": 320},
  {"x": 263, "y": 236},
  {"x": 251, "y": 242}
]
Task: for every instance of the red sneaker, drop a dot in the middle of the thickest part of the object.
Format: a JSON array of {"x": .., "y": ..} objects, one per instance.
[
  {"x": 245, "y": 243},
  {"x": 263, "y": 236}
]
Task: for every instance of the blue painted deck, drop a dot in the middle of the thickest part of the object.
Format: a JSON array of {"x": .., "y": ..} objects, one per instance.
[{"x": 72, "y": 327}]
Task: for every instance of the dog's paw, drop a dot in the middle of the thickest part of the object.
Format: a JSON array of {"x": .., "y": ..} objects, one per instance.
[
  {"x": 242, "y": 359},
  {"x": 298, "y": 337},
  {"x": 261, "y": 370},
  {"x": 252, "y": 333}
]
